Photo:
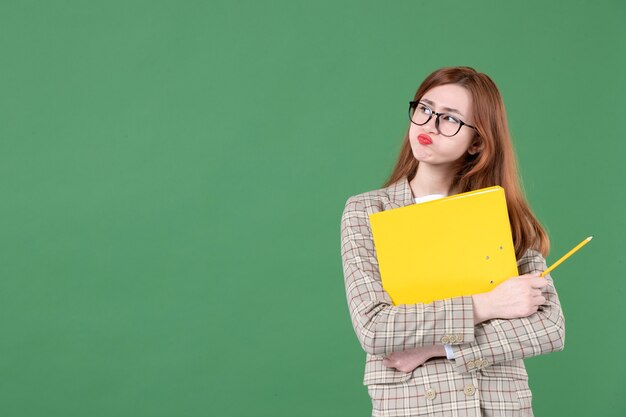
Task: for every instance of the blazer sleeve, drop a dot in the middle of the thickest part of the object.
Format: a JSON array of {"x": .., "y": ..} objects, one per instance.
[
  {"x": 500, "y": 340},
  {"x": 381, "y": 327}
]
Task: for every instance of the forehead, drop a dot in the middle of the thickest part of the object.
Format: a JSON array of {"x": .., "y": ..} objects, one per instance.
[{"x": 451, "y": 96}]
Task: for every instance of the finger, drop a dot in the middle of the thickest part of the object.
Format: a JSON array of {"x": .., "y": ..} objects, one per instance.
[
  {"x": 537, "y": 282},
  {"x": 538, "y": 301},
  {"x": 390, "y": 363},
  {"x": 533, "y": 306}
]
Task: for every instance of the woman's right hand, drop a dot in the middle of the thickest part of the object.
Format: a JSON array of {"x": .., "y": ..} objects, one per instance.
[{"x": 516, "y": 297}]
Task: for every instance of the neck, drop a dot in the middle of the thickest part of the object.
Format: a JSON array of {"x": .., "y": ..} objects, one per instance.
[{"x": 431, "y": 179}]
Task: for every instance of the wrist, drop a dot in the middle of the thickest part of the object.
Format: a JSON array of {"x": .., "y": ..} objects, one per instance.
[
  {"x": 438, "y": 350},
  {"x": 482, "y": 307}
]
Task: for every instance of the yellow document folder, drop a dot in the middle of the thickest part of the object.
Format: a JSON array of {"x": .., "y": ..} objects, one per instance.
[{"x": 449, "y": 247}]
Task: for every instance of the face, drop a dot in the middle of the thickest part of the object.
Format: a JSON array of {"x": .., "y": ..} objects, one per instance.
[{"x": 445, "y": 150}]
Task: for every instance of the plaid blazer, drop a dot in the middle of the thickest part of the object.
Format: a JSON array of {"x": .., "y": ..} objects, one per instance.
[{"x": 487, "y": 376}]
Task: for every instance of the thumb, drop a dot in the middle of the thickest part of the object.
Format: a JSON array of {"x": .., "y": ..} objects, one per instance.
[{"x": 537, "y": 274}]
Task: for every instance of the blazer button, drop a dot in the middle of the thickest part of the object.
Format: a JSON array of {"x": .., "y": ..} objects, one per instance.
[
  {"x": 471, "y": 365},
  {"x": 431, "y": 394},
  {"x": 459, "y": 337},
  {"x": 453, "y": 338},
  {"x": 445, "y": 339},
  {"x": 469, "y": 390}
]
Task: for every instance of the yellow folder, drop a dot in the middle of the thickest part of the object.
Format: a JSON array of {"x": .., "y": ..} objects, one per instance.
[{"x": 449, "y": 247}]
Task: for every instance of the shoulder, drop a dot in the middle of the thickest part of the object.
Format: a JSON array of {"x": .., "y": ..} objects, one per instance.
[
  {"x": 368, "y": 202},
  {"x": 360, "y": 206},
  {"x": 355, "y": 219}
]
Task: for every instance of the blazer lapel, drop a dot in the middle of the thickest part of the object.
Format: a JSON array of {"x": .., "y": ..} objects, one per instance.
[{"x": 400, "y": 193}]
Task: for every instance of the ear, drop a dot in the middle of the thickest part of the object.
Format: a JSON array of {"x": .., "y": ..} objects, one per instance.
[{"x": 475, "y": 147}]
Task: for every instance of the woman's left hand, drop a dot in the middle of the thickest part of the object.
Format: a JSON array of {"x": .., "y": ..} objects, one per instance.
[{"x": 408, "y": 360}]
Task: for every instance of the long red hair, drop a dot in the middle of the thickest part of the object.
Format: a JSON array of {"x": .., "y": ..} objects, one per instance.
[{"x": 495, "y": 164}]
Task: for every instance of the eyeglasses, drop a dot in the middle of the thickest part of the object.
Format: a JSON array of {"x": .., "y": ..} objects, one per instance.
[{"x": 446, "y": 124}]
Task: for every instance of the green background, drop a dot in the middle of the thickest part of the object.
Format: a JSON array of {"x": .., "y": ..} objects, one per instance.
[{"x": 173, "y": 174}]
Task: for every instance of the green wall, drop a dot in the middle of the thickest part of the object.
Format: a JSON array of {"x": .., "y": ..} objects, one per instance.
[{"x": 173, "y": 174}]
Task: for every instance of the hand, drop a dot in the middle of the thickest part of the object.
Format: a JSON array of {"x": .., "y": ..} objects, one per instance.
[
  {"x": 516, "y": 297},
  {"x": 408, "y": 360}
]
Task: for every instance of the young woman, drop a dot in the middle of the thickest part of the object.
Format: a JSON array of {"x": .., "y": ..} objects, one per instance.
[{"x": 460, "y": 356}]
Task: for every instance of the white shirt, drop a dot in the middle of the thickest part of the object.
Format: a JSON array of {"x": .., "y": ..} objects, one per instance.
[{"x": 449, "y": 352}]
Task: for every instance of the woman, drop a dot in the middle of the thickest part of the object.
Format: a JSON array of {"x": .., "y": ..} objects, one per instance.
[{"x": 460, "y": 356}]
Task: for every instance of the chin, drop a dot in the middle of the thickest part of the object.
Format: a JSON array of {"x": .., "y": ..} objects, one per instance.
[{"x": 420, "y": 157}]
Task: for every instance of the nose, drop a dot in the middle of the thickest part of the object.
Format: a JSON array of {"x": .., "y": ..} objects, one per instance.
[{"x": 431, "y": 126}]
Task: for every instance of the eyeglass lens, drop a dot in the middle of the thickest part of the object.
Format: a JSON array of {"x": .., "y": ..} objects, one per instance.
[{"x": 448, "y": 124}]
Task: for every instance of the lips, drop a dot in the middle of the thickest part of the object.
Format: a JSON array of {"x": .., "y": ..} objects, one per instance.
[{"x": 424, "y": 139}]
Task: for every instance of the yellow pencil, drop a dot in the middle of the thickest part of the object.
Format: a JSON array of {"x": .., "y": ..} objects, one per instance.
[{"x": 567, "y": 255}]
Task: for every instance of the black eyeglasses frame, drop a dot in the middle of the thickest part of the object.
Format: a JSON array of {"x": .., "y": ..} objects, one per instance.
[{"x": 413, "y": 107}]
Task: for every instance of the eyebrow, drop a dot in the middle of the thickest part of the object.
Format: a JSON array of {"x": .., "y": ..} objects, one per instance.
[{"x": 425, "y": 100}]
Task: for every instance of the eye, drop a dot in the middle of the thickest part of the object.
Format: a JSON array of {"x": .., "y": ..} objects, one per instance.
[
  {"x": 424, "y": 109},
  {"x": 450, "y": 119}
]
